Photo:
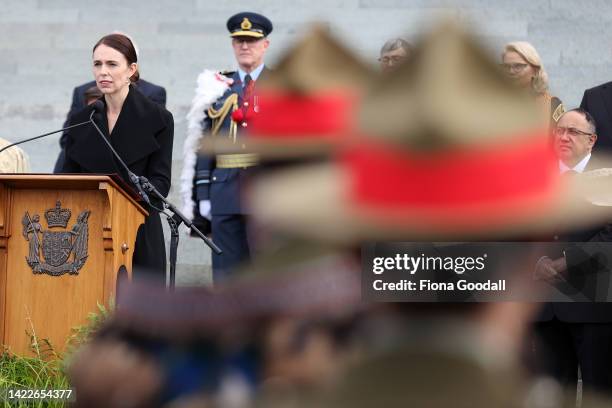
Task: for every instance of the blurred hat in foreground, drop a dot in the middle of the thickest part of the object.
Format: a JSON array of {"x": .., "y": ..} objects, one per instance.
[
  {"x": 193, "y": 342},
  {"x": 459, "y": 153},
  {"x": 297, "y": 282},
  {"x": 307, "y": 105}
]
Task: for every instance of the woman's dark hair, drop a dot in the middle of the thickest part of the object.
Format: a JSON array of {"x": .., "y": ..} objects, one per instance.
[
  {"x": 92, "y": 93},
  {"x": 125, "y": 46}
]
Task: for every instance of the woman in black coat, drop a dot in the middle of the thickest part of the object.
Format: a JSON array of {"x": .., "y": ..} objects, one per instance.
[{"x": 141, "y": 132}]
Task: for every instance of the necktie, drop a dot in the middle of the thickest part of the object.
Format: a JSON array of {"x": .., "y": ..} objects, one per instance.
[
  {"x": 247, "y": 81},
  {"x": 247, "y": 93}
]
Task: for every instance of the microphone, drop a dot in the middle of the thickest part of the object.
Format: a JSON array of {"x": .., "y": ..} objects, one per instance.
[
  {"x": 141, "y": 184},
  {"x": 44, "y": 135},
  {"x": 98, "y": 107}
]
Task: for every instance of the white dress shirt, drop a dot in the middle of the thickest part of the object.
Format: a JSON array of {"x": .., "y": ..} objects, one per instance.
[
  {"x": 254, "y": 74},
  {"x": 578, "y": 168}
]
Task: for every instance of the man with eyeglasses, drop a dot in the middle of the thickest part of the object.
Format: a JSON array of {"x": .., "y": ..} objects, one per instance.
[
  {"x": 393, "y": 53},
  {"x": 222, "y": 108},
  {"x": 572, "y": 335},
  {"x": 574, "y": 138}
]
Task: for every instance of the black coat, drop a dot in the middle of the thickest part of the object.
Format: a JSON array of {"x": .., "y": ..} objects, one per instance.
[
  {"x": 143, "y": 137},
  {"x": 154, "y": 92},
  {"x": 582, "y": 270},
  {"x": 598, "y": 102}
]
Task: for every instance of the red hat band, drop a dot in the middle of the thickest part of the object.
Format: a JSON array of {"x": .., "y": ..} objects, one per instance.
[
  {"x": 387, "y": 178},
  {"x": 292, "y": 117}
]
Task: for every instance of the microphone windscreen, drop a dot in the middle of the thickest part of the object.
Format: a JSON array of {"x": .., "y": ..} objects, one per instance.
[{"x": 98, "y": 106}]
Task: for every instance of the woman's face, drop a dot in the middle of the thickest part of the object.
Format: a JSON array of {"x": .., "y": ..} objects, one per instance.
[
  {"x": 518, "y": 69},
  {"x": 111, "y": 69}
]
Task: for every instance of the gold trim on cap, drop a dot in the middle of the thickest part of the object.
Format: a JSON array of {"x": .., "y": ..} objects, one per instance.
[{"x": 247, "y": 34}]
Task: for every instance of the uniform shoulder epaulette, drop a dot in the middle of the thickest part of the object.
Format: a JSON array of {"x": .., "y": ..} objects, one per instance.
[{"x": 557, "y": 109}]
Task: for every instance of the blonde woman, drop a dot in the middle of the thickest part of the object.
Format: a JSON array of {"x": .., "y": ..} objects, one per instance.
[{"x": 523, "y": 65}]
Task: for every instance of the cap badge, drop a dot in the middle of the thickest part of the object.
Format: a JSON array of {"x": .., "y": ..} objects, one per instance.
[{"x": 246, "y": 24}]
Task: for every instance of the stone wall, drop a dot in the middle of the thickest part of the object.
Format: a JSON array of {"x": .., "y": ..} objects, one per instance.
[{"x": 45, "y": 46}]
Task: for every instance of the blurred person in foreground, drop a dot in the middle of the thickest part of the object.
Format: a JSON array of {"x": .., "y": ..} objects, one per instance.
[
  {"x": 292, "y": 330},
  {"x": 140, "y": 131},
  {"x": 283, "y": 330},
  {"x": 393, "y": 53},
  {"x": 524, "y": 66},
  {"x": 571, "y": 335},
  {"x": 85, "y": 94},
  {"x": 453, "y": 170}
]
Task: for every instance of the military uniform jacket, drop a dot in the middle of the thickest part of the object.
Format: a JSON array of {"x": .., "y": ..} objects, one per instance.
[{"x": 221, "y": 186}]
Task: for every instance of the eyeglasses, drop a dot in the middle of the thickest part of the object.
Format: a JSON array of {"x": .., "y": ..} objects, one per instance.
[
  {"x": 395, "y": 60},
  {"x": 247, "y": 40},
  {"x": 573, "y": 132},
  {"x": 518, "y": 67}
]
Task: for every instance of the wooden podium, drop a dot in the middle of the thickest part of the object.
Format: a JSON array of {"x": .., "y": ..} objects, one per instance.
[{"x": 63, "y": 241}]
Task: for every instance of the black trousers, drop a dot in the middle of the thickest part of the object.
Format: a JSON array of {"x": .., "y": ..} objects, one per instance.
[
  {"x": 561, "y": 347},
  {"x": 229, "y": 232}
]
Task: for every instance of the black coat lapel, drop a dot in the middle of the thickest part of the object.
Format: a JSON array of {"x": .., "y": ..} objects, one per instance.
[
  {"x": 138, "y": 124},
  {"x": 133, "y": 136},
  {"x": 87, "y": 147},
  {"x": 606, "y": 94}
]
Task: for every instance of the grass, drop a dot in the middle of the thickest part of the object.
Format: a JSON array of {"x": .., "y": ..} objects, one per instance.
[{"x": 46, "y": 369}]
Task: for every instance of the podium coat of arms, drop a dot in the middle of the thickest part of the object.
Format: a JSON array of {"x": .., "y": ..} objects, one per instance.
[{"x": 57, "y": 246}]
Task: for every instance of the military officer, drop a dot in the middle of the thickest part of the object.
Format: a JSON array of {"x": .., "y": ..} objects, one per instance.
[{"x": 222, "y": 108}]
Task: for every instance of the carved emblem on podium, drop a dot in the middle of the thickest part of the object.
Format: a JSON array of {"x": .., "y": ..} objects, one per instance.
[{"x": 58, "y": 247}]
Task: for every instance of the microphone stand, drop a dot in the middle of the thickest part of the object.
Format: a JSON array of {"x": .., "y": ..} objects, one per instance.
[
  {"x": 133, "y": 177},
  {"x": 174, "y": 220},
  {"x": 46, "y": 134}
]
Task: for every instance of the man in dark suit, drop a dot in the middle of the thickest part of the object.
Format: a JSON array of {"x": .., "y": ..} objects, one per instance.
[
  {"x": 218, "y": 179},
  {"x": 571, "y": 335},
  {"x": 154, "y": 92},
  {"x": 598, "y": 102}
]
